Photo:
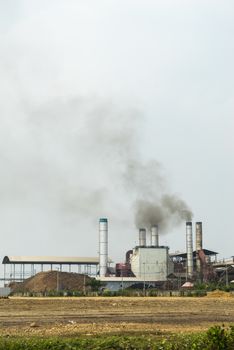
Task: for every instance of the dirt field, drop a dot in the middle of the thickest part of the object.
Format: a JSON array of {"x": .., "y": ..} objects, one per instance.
[{"x": 72, "y": 316}]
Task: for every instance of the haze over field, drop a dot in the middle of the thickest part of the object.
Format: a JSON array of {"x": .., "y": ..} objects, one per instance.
[{"x": 119, "y": 109}]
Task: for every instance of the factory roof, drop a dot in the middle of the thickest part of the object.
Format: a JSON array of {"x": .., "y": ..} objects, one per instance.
[
  {"x": 50, "y": 260},
  {"x": 114, "y": 279},
  {"x": 184, "y": 255}
]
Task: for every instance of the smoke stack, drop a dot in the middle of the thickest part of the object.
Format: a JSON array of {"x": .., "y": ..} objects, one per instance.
[
  {"x": 154, "y": 236},
  {"x": 198, "y": 236},
  {"x": 142, "y": 237},
  {"x": 189, "y": 248},
  {"x": 198, "y": 247},
  {"x": 103, "y": 246},
  {"x": 150, "y": 239}
]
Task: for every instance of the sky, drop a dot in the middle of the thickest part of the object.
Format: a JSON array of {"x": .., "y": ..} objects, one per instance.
[{"x": 109, "y": 104}]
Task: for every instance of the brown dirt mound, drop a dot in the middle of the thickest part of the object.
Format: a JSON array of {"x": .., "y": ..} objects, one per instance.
[
  {"x": 219, "y": 294},
  {"x": 51, "y": 281}
]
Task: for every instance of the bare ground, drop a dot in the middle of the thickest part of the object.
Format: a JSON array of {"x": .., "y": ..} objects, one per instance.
[{"x": 118, "y": 315}]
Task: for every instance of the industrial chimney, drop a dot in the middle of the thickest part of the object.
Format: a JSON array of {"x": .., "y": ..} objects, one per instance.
[
  {"x": 198, "y": 247},
  {"x": 198, "y": 236},
  {"x": 189, "y": 248},
  {"x": 142, "y": 237},
  {"x": 103, "y": 246},
  {"x": 154, "y": 236}
]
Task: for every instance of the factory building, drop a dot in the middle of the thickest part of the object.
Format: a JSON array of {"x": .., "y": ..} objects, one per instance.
[
  {"x": 151, "y": 263},
  {"x": 145, "y": 263},
  {"x": 148, "y": 264}
]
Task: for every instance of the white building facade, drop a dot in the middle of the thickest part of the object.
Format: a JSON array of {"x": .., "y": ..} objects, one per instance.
[{"x": 151, "y": 263}]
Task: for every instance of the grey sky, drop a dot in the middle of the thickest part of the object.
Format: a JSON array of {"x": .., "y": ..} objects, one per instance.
[{"x": 86, "y": 87}]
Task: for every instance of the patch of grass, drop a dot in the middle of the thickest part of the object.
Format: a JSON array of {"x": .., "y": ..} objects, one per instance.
[{"x": 216, "y": 338}]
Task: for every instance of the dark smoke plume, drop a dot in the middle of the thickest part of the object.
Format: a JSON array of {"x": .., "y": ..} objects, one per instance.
[
  {"x": 152, "y": 204},
  {"x": 75, "y": 159},
  {"x": 102, "y": 149},
  {"x": 169, "y": 210}
]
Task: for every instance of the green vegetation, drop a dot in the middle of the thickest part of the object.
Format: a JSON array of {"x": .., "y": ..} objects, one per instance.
[
  {"x": 95, "y": 285},
  {"x": 211, "y": 286},
  {"x": 97, "y": 289},
  {"x": 216, "y": 338}
]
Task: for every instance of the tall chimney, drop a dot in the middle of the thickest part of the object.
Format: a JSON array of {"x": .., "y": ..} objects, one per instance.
[
  {"x": 142, "y": 237},
  {"x": 103, "y": 246},
  {"x": 189, "y": 248},
  {"x": 198, "y": 235},
  {"x": 154, "y": 236},
  {"x": 198, "y": 247}
]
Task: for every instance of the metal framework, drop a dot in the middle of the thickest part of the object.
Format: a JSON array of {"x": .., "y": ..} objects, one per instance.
[
  {"x": 183, "y": 256},
  {"x": 207, "y": 260},
  {"x": 18, "y": 268}
]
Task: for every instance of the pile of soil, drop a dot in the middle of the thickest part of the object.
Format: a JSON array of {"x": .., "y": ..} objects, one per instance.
[
  {"x": 219, "y": 294},
  {"x": 44, "y": 282}
]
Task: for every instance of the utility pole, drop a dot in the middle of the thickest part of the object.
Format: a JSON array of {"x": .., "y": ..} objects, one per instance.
[
  {"x": 144, "y": 279},
  {"x": 122, "y": 287},
  {"x": 57, "y": 280},
  {"x": 84, "y": 283},
  {"x": 226, "y": 275}
]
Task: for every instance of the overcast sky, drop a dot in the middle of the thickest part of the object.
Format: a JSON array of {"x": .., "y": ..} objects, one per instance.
[{"x": 102, "y": 101}]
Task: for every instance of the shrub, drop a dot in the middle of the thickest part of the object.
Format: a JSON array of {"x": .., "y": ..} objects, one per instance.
[
  {"x": 220, "y": 338},
  {"x": 216, "y": 338}
]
